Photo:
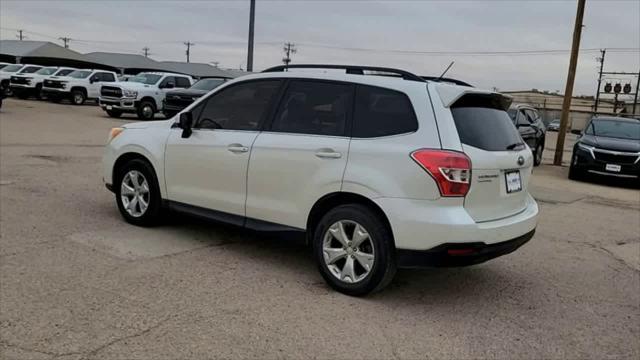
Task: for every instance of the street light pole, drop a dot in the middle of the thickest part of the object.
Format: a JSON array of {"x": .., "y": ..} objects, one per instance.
[
  {"x": 252, "y": 17},
  {"x": 568, "y": 92}
]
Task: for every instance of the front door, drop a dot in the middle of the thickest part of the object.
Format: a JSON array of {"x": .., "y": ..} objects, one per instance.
[{"x": 209, "y": 168}]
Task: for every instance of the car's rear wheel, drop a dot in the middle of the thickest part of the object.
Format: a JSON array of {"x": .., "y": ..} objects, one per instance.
[
  {"x": 114, "y": 113},
  {"x": 537, "y": 155},
  {"x": 146, "y": 110},
  {"x": 78, "y": 97},
  {"x": 137, "y": 193},
  {"x": 354, "y": 250}
]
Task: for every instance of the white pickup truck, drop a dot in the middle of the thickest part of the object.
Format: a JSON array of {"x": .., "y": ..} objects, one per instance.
[
  {"x": 142, "y": 94},
  {"x": 26, "y": 85},
  {"x": 8, "y": 71},
  {"x": 78, "y": 86}
]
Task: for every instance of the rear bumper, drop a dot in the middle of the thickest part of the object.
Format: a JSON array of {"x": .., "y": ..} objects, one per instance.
[{"x": 459, "y": 254}]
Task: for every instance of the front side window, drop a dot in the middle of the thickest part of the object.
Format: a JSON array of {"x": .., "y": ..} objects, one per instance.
[
  {"x": 107, "y": 77},
  {"x": 166, "y": 81},
  {"x": 80, "y": 74},
  {"x": 29, "y": 70},
  {"x": 382, "y": 112},
  {"x": 182, "y": 82},
  {"x": 313, "y": 107},
  {"x": 147, "y": 79},
  {"x": 46, "y": 71},
  {"x": 238, "y": 107}
]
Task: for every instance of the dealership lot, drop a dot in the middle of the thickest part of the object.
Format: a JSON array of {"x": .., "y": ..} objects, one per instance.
[{"x": 78, "y": 282}]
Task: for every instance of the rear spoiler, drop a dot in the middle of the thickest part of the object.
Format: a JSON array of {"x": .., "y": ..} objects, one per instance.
[{"x": 450, "y": 94}]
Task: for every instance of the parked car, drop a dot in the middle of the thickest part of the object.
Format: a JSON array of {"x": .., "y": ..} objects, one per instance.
[
  {"x": 554, "y": 125},
  {"x": 175, "y": 101},
  {"x": 10, "y": 70},
  {"x": 609, "y": 146},
  {"x": 78, "y": 86},
  {"x": 142, "y": 95},
  {"x": 377, "y": 172},
  {"x": 531, "y": 128},
  {"x": 26, "y": 85},
  {"x": 3, "y": 64}
]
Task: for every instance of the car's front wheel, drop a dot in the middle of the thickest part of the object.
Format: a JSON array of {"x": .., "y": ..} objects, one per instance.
[
  {"x": 78, "y": 97},
  {"x": 354, "y": 250},
  {"x": 137, "y": 193},
  {"x": 146, "y": 110}
]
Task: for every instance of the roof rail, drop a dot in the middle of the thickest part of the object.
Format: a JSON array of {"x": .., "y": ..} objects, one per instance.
[
  {"x": 350, "y": 69},
  {"x": 446, "y": 80}
]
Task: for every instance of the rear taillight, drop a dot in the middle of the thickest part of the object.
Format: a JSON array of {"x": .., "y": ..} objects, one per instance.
[{"x": 450, "y": 169}]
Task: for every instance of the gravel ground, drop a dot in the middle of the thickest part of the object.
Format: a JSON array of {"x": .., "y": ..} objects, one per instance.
[{"x": 77, "y": 282}]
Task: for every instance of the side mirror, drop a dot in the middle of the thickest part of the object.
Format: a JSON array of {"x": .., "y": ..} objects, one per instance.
[{"x": 186, "y": 122}]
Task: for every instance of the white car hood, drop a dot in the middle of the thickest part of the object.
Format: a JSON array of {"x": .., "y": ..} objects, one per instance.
[{"x": 149, "y": 124}]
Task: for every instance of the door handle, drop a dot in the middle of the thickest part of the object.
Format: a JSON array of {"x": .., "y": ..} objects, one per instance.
[
  {"x": 328, "y": 154},
  {"x": 237, "y": 148}
]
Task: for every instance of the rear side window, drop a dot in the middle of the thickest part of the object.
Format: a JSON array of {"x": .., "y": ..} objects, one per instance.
[
  {"x": 382, "y": 112},
  {"x": 483, "y": 124},
  {"x": 313, "y": 107}
]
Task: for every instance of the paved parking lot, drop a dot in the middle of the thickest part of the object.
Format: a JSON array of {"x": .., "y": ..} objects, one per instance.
[{"x": 77, "y": 282}]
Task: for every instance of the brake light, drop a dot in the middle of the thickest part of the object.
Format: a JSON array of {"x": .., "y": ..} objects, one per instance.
[{"x": 450, "y": 169}]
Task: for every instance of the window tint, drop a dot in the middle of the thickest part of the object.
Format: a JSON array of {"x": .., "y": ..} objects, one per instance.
[
  {"x": 311, "y": 107},
  {"x": 107, "y": 77},
  {"x": 532, "y": 115},
  {"x": 239, "y": 107},
  {"x": 167, "y": 80},
  {"x": 382, "y": 112},
  {"x": 182, "y": 82},
  {"x": 64, "y": 72},
  {"x": 483, "y": 124}
]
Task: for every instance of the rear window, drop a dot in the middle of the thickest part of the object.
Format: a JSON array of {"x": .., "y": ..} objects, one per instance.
[
  {"x": 483, "y": 124},
  {"x": 382, "y": 112}
]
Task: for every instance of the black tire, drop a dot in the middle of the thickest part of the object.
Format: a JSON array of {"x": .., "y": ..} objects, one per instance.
[
  {"x": 537, "y": 154},
  {"x": 38, "y": 92},
  {"x": 153, "y": 213},
  {"x": 381, "y": 241},
  {"x": 114, "y": 113},
  {"x": 146, "y": 110},
  {"x": 78, "y": 97}
]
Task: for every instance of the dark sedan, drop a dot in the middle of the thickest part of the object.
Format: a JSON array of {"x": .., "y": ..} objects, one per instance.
[
  {"x": 177, "y": 100},
  {"x": 609, "y": 146},
  {"x": 531, "y": 128}
]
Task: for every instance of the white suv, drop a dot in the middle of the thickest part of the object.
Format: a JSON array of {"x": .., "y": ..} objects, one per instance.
[
  {"x": 142, "y": 94},
  {"x": 379, "y": 172},
  {"x": 25, "y": 85},
  {"x": 77, "y": 86}
]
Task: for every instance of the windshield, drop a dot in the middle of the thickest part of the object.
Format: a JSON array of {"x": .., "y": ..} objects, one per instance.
[
  {"x": 11, "y": 68},
  {"x": 29, "y": 70},
  {"x": 64, "y": 72},
  {"x": 46, "y": 71},
  {"x": 207, "y": 84},
  {"x": 147, "y": 79},
  {"x": 615, "y": 128},
  {"x": 79, "y": 74}
]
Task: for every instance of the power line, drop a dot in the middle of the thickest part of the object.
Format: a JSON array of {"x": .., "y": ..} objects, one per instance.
[
  {"x": 189, "y": 45},
  {"x": 289, "y": 48}
]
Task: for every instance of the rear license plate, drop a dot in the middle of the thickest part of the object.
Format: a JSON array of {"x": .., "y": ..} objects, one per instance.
[
  {"x": 613, "y": 167},
  {"x": 513, "y": 181},
  {"x": 109, "y": 107}
]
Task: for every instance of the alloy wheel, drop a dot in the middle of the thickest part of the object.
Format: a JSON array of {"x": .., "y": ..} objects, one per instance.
[
  {"x": 147, "y": 111},
  {"x": 348, "y": 251},
  {"x": 78, "y": 98},
  {"x": 134, "y": 193}
]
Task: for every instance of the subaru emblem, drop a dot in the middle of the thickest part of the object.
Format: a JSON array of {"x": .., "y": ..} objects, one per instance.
[{"x": 520, "y": 160}]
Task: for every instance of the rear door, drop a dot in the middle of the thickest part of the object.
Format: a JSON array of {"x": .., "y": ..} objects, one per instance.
[
  {"x": 501, "y": 163},
  {"x": 303, "y": 154}
]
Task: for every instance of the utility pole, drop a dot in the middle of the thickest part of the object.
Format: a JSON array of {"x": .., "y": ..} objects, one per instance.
[
  {"x": 145, "y": 51},
  {"x": 252, "y": 18},
  {"x": 289, "y": 49},
  {"x": 65, "y": 40},
  {"x": 20, "y": 36},
  {"x": 601, "y": 59},
  {"x": 568, "y": 92},
  {"x": 188, "y": 52}
]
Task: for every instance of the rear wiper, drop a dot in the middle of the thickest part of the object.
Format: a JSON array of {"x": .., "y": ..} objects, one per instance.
[{"x": 514, "y": 145}]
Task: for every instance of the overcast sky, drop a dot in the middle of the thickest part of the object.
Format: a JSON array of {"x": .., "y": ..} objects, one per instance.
[{"x": 354, "y": 32}]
